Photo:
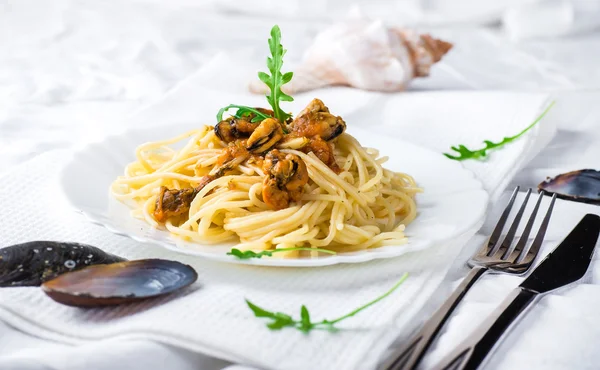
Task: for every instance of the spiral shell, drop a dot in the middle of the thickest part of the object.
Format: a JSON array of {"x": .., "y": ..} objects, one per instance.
[{"x": 364, "y": 54}]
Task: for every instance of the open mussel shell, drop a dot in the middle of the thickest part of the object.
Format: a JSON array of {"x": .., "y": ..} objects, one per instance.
[
  {"x": 32, "y": 263},
  {"x": 579, "y": 186},
  {"x": 117, "y": 283}
]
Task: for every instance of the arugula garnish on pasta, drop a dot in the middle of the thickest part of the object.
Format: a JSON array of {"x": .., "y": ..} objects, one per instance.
[
  {"x": 244, "y": 255},
  {"x": 243, "y": 111},
  {"x": 274, "y": 81}
]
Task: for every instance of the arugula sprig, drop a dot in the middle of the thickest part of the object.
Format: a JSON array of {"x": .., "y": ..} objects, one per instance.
[
  {"x": 281, "y": 320},
  {"x": 276, "y": 80},
  {"x": 244, "y": 255},
  {"x": 243, "y": 111},
  {"x": 466, "y": 153}
]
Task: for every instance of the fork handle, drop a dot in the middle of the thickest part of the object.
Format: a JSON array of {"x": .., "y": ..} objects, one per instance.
[
  {"x": 471, "y": 353},
  {"x": 408, "y": 356}
]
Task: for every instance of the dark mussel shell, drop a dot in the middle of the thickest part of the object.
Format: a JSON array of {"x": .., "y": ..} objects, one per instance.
[
  {"x": 117, "y": 283},
  {"x": 32, "y": 263},
  {"x": 579, "y": 186}
]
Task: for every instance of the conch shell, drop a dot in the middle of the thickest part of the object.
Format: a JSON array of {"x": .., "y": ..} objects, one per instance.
[{"x": 364, "y": 54}]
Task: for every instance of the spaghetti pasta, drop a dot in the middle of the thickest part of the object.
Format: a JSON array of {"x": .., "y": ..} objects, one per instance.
[{"x": 354, "y": 206}]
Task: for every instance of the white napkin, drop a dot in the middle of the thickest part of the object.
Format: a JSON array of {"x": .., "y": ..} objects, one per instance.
[
  {"x": 211, "y": 317},
  {"x": 561, "y": 329}
]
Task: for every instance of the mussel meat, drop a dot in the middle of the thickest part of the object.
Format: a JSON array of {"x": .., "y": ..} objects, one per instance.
[
  {"x": 266, "y": 135},
  {"x": 117, "y": 283},
  {"x": 32, "y": 263},
  {"x": 316, "y": 119},
  {"x": 579, "y": 186}
]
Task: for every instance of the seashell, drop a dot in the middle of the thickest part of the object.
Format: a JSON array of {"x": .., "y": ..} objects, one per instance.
[
  {"x": 364, "y": 54},
  {"x": 30, "y": 264},
  {"x": 579, "y": 186},
  {"x": 117, "y": 283}
]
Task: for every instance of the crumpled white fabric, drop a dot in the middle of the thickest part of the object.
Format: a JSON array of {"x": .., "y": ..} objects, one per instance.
[{"x": 551, "y": 18}]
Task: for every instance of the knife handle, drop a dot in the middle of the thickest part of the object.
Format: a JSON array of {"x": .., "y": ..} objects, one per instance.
[
  {"x": 410, "y": 354},
  {"x": 473, "y": 350}
]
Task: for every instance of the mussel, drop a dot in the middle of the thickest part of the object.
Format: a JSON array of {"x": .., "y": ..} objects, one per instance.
[
  {"x": 316, "y": 119},
  {"x": 579, "y": 186},
  {"x": 117, "y": 283},
  {"x": 32, "y": 263},
  {"x": 266, "y": 135}
]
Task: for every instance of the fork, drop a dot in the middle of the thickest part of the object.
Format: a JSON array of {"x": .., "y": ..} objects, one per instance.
[{"x": 492, "y": 256}]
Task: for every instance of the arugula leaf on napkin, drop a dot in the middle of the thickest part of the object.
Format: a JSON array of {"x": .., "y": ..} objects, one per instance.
[
  {"x": 466, "y": 153},
  {"x": 281, "y": 320},
  {"x": 244, "y": 255},
  {"x": 276, "y": 80},
  {"x": 243, "y": 111}
]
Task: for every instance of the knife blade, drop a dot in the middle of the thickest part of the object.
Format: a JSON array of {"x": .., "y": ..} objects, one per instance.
[{"x": 565, "y": 265}]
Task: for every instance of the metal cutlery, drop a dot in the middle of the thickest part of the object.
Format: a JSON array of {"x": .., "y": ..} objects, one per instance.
[
  {"x": 504, "y": 257},
  {"x": 566, "y": 264}
]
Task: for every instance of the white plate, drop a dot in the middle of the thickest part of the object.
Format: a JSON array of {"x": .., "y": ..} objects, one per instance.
[{"x": 453, "y": 201}]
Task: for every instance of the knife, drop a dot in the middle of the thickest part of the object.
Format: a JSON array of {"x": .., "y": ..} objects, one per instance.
[{"x": 566, "y": 264}]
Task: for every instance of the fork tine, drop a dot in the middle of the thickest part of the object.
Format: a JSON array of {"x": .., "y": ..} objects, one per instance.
[
  {"x": 525, "y": 236},
  {"x": 508, "y": 239},
  {"x": 539, "y": 238},
  {"x": 493, "y": 241}
]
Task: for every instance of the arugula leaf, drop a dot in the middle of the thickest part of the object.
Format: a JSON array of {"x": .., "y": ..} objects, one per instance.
[
  {"x": 244, "y": 255},
  {"x": 243, "y": 111},
  {"x": 305, "y": 325},
  {"x": 466, "y": 153},
  {"x": 259, "y": 312},
  {"x": 276, "y": 80},
  {"x": 280, "y": 320},
  {"x": 280, "y": 323}
]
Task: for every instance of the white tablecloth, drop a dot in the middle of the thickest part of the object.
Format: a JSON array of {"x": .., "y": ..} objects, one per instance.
[{"x": 70, "y": 71}]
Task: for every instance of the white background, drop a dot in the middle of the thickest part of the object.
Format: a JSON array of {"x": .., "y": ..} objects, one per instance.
[{"x": 71, "y": 71}]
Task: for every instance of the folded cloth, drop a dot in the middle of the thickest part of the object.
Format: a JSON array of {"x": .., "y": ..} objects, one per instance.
[
  {"x": 558, "y": 332},
  {"x": 211, "y": 316}
]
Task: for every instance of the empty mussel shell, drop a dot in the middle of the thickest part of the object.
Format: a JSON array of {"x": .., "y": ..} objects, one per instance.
[
  {"x": 117, "y": 283},
  {"x": 579, "y": 186},
  {"x": 32, "y": 263}
]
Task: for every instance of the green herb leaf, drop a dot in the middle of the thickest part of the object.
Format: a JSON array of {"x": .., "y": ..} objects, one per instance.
[
  {"x": 259, "y": 312},
  {"x": 280, "y": 323},
  {"x": 243, "y": 255},
  {"x": 242, "y": 112},
  {"x": 236, "y": 252},
  {"x": 251, "y": 254},
  {"x": 276, "y": 80},
  {"x": 466, "y": 153},
  {"x": 281, "y": 320},
  {"x": 305, "y": 324},
  {"x": 282, "y": 316}
]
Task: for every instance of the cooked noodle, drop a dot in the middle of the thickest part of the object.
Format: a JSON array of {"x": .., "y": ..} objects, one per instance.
[{"x": 364, "y": 206}]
